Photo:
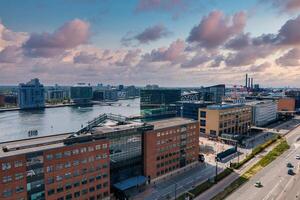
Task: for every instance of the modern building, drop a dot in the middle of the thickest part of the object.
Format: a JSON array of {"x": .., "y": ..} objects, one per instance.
[
  {"x": 156, "y": 98},
  {"x": 98, "y": 95},
  {"x": 286, "y": 105},
  {"x": 171, "y": 145},
  {"x": 111, "y": 94},
  {"x": 57, "y": 167},
  {"x": 81, "y": 93},
  {"x": 190, "y": 109},
  {"x": 263, "y": 112},
  {"x": 31, "y": 95},
  {"x": 225, "y": 121},
  {"x": 213, "y": 93}
]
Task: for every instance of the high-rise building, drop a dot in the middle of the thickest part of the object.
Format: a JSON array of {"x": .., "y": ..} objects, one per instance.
[
  {"x": 31, "y": 95},
  {"x": 286, "y": 104},
  {"x": 225, "y": 121},
  {"x": 296, "y": 95},
  {"x": 81, "y": 93}
]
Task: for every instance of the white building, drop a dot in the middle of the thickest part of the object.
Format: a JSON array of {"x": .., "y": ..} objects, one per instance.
[{"x": 263, "y": 112}]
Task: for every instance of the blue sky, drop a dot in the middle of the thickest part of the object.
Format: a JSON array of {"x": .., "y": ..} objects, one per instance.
[{"x": 111, "y": 20}]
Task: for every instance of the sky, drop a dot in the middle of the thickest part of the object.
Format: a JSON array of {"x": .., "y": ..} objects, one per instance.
[{"x": 139, "y": 42}]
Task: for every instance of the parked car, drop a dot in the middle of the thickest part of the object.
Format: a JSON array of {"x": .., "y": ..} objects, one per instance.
[
  {"x": 298, "y": 157},
  {"x": 290, "y": 172},
  {"x": 290, "y": 165}
]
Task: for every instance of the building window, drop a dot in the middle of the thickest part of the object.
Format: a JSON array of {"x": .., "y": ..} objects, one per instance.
[
  {"x": 49, "y": 156},
  {"x": 77, "y": 194},
  {"x": 76, "y": 184},
  {"x": 59, "y": 189},
  {"x": 6, "y": 179},
  {"x": 58, "y": 155},
  {"x": 18, "y": 163},
  {"x": 68, "y": 186},
  {"x": 6, "y": 166},
  {"x": 99, "y": 186},
  {"x": 50, "y": 192},
  {"x": 203, "y": 114},
  {"x": 213, "y": 132},
  {"x": 83, "y": 150},
  {"x": 104, "y": 146},
  {"x": 19, "y": 189},
  {"x": 202, "y": 122},
  {"x": 67, "y": 153},
  {"x": 98, "y": 147},
  {"x": 7, "y": 193},
  {"x": 75, "y": 152},
  {"x": 19, "y": 176},
  {"x": 90, "y": 149}
]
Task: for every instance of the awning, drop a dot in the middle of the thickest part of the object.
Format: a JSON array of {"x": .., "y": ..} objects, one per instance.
[{"x": 131, "y": 182}]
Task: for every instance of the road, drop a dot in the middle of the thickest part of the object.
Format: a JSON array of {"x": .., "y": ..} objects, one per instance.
[{"x": 277, "y": 184}]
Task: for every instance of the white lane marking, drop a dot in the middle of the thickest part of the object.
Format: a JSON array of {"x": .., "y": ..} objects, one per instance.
[{"x": 270, "y": 193}]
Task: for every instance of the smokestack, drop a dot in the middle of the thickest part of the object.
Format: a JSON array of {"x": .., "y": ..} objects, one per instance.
[
  {"x": 246, "y": 81},
  {"x": 251, "y": 83}
]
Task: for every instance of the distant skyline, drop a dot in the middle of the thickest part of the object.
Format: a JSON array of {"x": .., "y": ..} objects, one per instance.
[{"x": 139, "y": 42}]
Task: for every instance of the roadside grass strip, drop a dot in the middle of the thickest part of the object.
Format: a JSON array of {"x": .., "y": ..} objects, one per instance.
[{"x": 267, "y": 159}]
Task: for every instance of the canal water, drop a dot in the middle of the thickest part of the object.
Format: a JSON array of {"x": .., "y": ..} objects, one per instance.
[{"x": 16, "y": 124}]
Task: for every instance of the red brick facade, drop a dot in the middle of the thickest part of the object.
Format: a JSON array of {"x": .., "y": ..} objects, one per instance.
[
  {"x": 170, "y": 148},
  {"x": 78, "y": 171}
]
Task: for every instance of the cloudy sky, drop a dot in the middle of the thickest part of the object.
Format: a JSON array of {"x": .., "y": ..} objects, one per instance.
[{"x": 165, "y": 42}]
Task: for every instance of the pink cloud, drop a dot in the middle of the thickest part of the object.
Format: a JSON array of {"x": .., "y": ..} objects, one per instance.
[
  {"x": 285, "y": 5},
  {"x": 291, "y": 58},
  {"x": 70, "y": 35},
  {"x": 174, "y": 53},
  {"x": 150, "y": 34},
  {"x": 216, "y": 28}
]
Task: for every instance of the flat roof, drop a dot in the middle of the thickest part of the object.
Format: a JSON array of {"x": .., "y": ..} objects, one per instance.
[
  {"x": 113, "y": 126},
  {"x": 28, "y": 145},
  {"x": 176, "y": 121},
  {"x": 224, "y": 106}
]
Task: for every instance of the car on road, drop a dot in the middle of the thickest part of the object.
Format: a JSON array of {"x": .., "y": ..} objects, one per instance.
[
  {"x": 290, "y": 165},
  {"x": 290, "y": 172},
  {"x": 298, "y": 157},
  {"x": 258, "y": 184}
]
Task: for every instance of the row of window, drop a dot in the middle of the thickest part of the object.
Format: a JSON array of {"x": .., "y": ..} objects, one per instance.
[
  {"x": 76, "y": 151},
  {"x": 167, "y": 170},
  {"x": 84, "y": 192},
  {"x": 78, "y": 193},
  {"x": 8, "y": 165},
  {"x": 76, "y": 173},
  {"x": 167, "y": 155},
  {"x": 75, "y": 163},
  {"x": 170, "y": 132},
  {"x": 18, "y": 176},
  {"x": 8, "y": 192},
  {"x": 168, "y": 162},
  {"x": 174, "y": 139}
]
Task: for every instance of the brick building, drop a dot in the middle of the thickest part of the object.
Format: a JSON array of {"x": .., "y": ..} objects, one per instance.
[
  {"x": 172, "y": 144},
  {"x": 286, "y": 104},
  {"x": 55, "y": 167}
]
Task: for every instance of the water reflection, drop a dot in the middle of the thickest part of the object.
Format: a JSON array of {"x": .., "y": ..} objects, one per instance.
[{"x": 16, "y": 124}]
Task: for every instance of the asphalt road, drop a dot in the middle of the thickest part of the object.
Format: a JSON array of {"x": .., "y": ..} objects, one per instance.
[{"x": 277, "y": 184}]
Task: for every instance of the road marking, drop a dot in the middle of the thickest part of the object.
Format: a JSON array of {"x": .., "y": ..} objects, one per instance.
[{"x": 269, "y": 194}]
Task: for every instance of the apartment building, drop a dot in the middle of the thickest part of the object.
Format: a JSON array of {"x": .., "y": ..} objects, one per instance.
[
  {"x": 56, "y": 167},
  {"x": 171, "y": 145},
  {"x": 225, "y": 121}
]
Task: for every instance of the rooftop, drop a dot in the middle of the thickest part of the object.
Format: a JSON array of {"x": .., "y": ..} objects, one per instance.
[
  {"x": 165, "y": 123},
  {"x": 23, "y": 146},
  {"x": 224, "y": 106},
  {"x": 113, "y": 126}
]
